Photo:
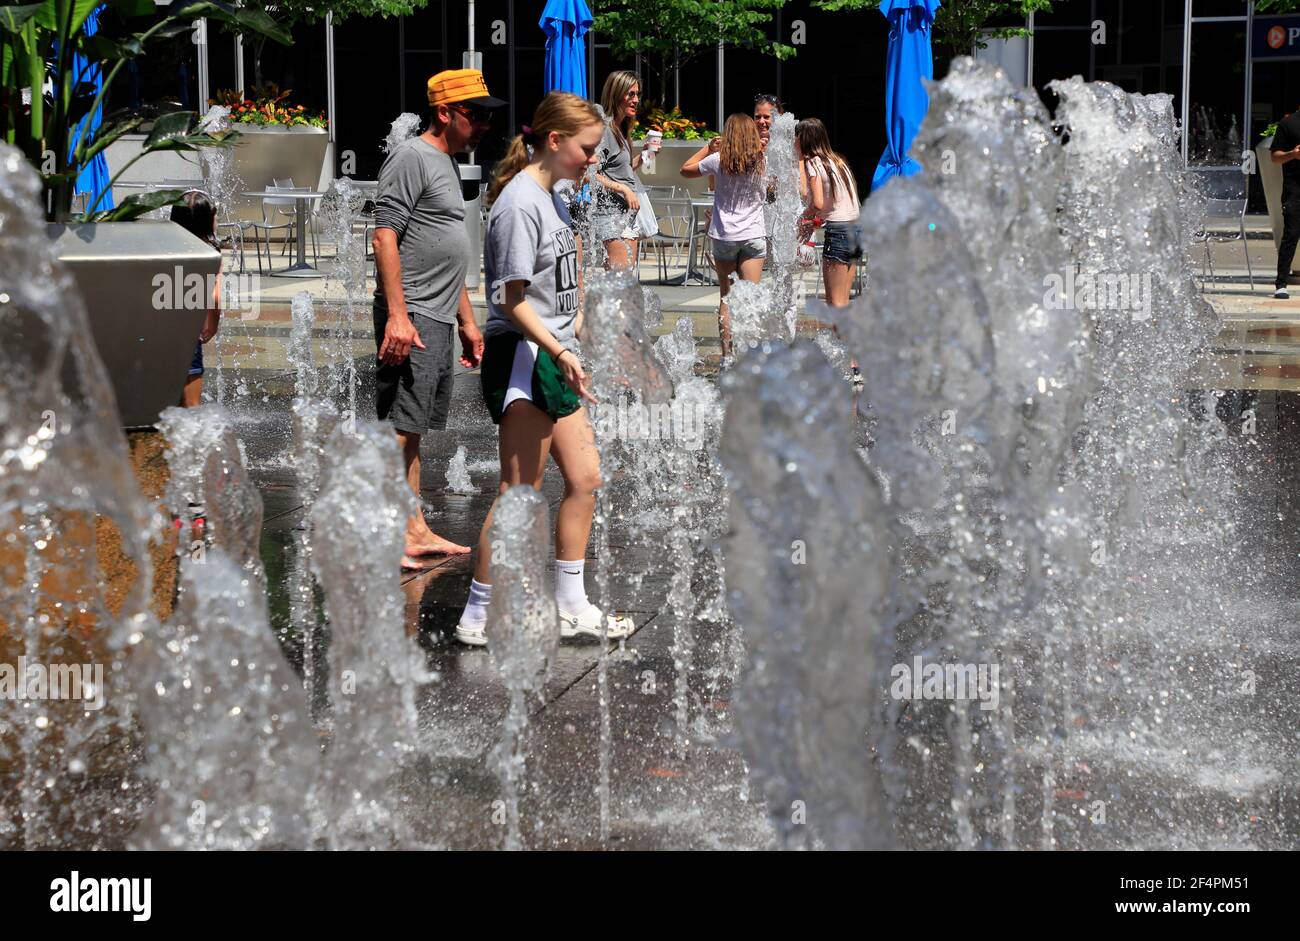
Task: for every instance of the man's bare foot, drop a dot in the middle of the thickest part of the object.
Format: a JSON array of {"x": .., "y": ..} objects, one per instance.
[{"x": 434, "y": 545}]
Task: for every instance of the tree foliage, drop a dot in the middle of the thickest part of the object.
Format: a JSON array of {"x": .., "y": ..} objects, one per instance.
[{"x": 962, "y": 25}]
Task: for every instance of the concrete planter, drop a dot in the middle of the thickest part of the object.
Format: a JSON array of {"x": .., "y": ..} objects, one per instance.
[
  {"x": 146, "y": 286},
  {"x": 1270, "y": 175},
  {"x": 668, "y": 167},
  {"x": 265, "y": 154}
]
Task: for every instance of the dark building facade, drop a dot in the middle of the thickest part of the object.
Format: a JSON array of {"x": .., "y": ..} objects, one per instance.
[{"x": 1234, "y": 83}]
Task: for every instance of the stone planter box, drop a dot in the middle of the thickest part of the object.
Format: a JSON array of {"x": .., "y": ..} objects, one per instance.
[
  {"x": 129, "y": 274},
  {"x": 668, "y": 166},
  {"x": 1270, "y": 175},
  {"x": 265, "y": 154}
]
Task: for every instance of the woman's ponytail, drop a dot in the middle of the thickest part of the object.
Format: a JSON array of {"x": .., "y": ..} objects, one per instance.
[
  {"x": 516, "y": 159},
  {"x": 559, "y": 111}
]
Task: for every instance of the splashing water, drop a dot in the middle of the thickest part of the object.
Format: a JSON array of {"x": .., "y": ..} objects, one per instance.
[
  {"x": 338, "y": 215},
  {"x": 405, "y": 126},
  {"x": 220, "y": 174},
  {"x": 1011, "y": 403},
  {"x": 523, "y": 631},
  {"x": 769, "y": 309},
  {"x": 808, "y": 576},
  {"x": 358, "y": 520},
  {"x": 309, "y": 414},
  {"x": 458, "y": 479},
  {"x": 783, "y": 211},
  {"x": 231, "y": 745},
  {"x": 615, "y": 340},
  {"x": 1038, "y": 496},
  {"x": 623, "y": 368},
  {"x": 63, "y": 460},
  {"x": 208, "y": 480}
]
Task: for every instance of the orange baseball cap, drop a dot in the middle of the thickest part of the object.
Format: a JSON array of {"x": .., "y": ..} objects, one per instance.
[{"x": 455, "y": 86}]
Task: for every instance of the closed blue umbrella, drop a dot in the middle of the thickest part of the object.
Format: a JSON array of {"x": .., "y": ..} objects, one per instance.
[
  {"x": 909, "y": 60},
  {"x": 94, "y": 177},
  {"x": 565, "y": 23}
]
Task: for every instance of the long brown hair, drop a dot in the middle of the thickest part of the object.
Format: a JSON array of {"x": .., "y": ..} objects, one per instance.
[
  {"x": 815, "y": 142},
  {"x": 559, "y": 111},
  {"x": 741, "y": 153},
  {"x": 196, "y": 214},
  {"x": 618, "y": 84}
]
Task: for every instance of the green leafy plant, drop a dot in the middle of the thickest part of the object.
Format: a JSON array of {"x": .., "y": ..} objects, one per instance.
[
  {"x": 961, "y": 25},
  {"x": 670, "y": 33},
  {"x": 37, "y": 43}
]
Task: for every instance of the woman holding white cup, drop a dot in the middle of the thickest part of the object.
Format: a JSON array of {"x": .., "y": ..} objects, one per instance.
[
  {"x": 614, "y": 212},
  {"x": 653, "y": 141}
]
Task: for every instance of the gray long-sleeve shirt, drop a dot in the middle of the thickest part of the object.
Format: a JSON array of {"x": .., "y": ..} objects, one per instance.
[{"x": 419, "y": 198}]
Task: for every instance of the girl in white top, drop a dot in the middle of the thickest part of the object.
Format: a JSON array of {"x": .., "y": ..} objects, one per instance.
[{"x": 737, "y": 232}]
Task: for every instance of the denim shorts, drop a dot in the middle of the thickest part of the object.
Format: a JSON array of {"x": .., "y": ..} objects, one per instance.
[
  {"x": 196, "y": 365},
  {"x": 724, "y": 250},
  {"x": 843, "y": 242}
]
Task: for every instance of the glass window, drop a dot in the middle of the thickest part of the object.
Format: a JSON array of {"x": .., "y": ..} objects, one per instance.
[
  {"x": 1218, "y": 8},
  {"x": 1070, "y": 13},
  {"x": 1218, "y": 88},
  {"x": 164, "y": 80}
]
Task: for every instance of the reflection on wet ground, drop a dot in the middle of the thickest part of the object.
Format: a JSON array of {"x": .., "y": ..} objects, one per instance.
[
  {"x": 1227, "y": 791},
  {"x": 662, "y": 798}
]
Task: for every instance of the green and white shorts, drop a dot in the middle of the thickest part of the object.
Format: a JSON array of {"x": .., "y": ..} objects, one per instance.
[{"x": 514, "y": 370}]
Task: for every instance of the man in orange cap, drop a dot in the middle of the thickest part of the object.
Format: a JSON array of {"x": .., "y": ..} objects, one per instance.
[{"x": 421, "y": 255}]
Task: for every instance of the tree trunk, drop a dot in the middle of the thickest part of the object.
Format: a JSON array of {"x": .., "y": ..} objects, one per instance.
[{"x": 677, "y": 79}]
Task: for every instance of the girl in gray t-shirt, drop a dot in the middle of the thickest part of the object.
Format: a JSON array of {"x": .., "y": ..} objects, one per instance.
[{"x": 533, "y": 382}]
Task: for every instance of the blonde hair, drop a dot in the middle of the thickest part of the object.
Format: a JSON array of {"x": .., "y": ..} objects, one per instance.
[
  {"x": 560, "y": 111},
  {"x": 618, "y": 84},
  {"x": 741, "y": 153}
]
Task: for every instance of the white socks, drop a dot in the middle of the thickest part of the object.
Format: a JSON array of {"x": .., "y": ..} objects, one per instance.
[
  {"x": 570, "y": 591},
  {"x": 476, "y": 609}
]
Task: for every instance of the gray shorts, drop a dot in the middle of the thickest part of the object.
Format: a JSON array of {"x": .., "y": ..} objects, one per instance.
[
  {"x": 724, "y": 250},
  {"x": 416, "y": 394}
]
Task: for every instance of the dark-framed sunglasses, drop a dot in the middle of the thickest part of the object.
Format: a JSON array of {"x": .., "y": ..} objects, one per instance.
[
  {"x": 772, "y": 100},
  {"x": 475, "y": 113}
]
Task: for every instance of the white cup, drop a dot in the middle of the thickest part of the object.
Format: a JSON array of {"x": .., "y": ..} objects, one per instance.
[{"x": 653, "y": 141}]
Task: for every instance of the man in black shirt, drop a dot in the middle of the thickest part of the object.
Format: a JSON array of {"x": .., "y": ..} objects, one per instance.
[{"x": 1286, "y": 151}]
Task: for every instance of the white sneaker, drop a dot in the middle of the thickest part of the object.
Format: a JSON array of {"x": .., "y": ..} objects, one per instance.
[
  {"x": 587, "y": 624},
  {"x": 472, "y": 634},
  {"x": 1282, "y": 294}
]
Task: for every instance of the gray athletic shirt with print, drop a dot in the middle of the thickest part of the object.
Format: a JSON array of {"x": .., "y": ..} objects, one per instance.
[
  {"x": 528, "y": 239},
  {"x": 419, "y": 198}
]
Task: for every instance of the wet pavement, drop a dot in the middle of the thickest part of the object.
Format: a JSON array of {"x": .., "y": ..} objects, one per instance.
[
  {"x": 662, "y": 795},
  {"x": 1209, "y": 768},
  {"x": 1225, "y": 781}
]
